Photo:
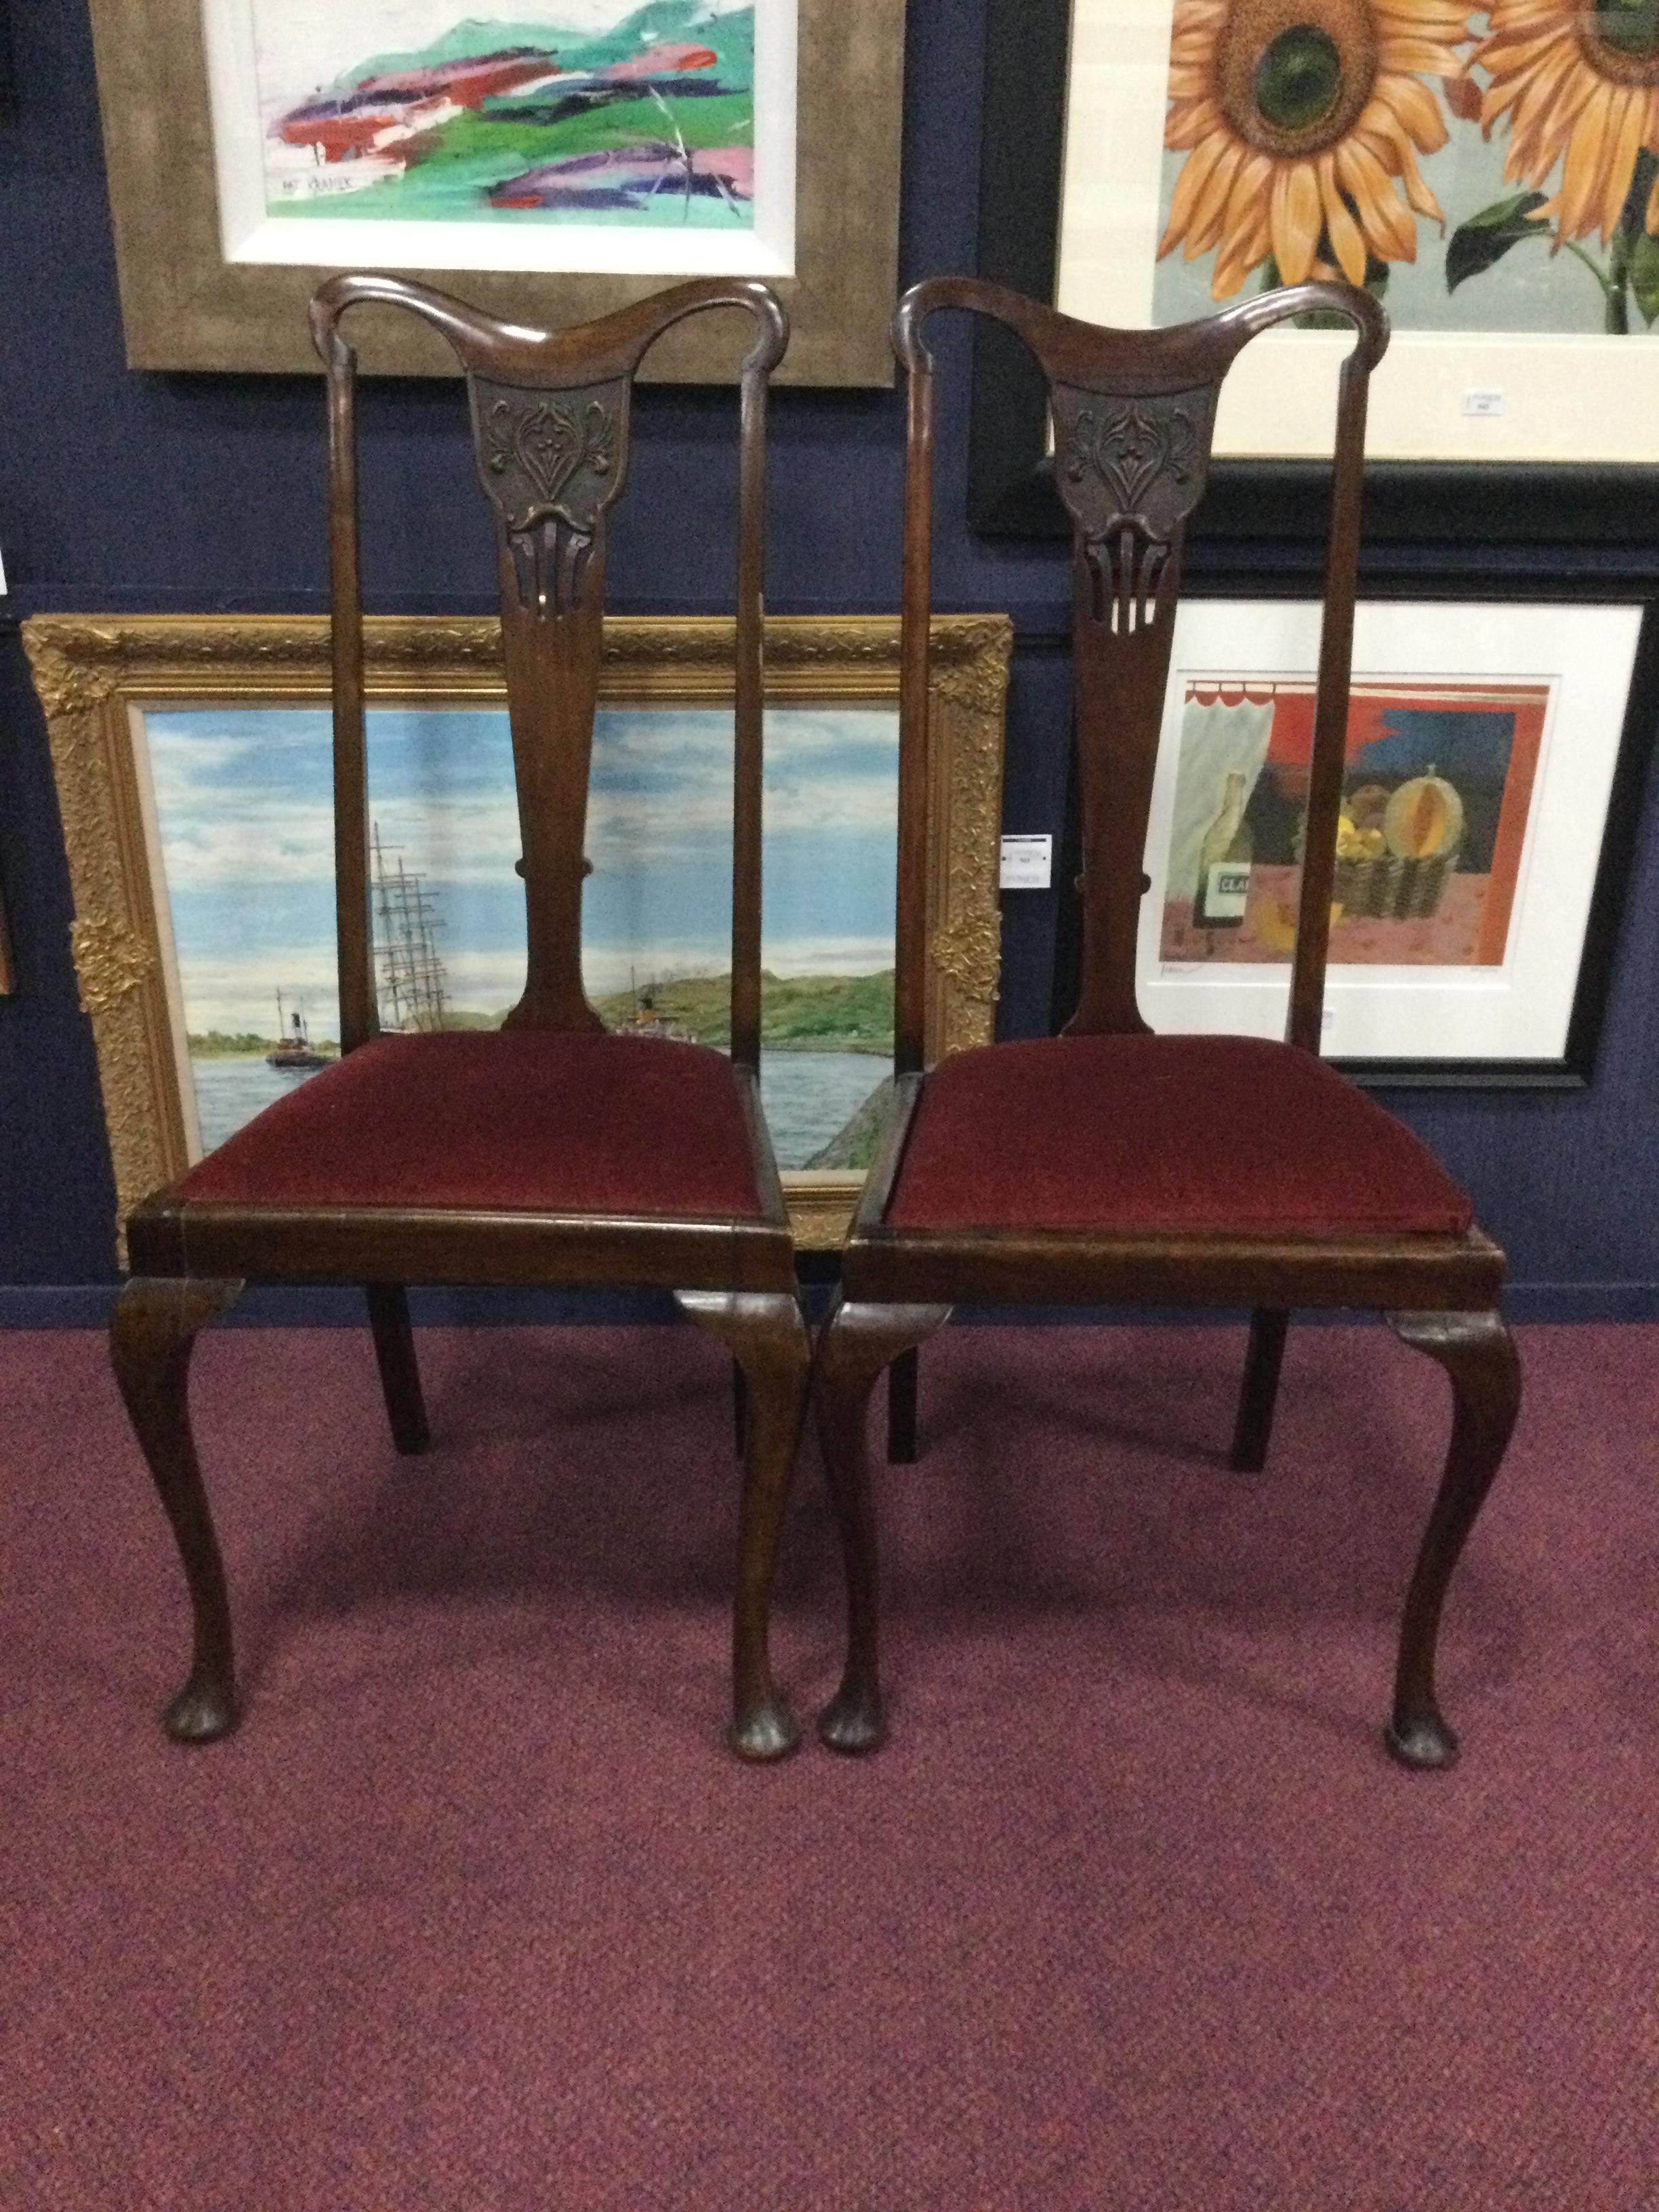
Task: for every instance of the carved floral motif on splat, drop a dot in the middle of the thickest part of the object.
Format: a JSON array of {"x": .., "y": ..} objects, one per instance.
[
  {"x": 1138, "y": 460},
  {"x": 1131, "y": 469},
  {"x": 551, "y": 463},
  {"x": 548, "y": 444}
]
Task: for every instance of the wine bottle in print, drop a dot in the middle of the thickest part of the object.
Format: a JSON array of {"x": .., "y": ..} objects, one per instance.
[{"x": 1223, "y": 862}]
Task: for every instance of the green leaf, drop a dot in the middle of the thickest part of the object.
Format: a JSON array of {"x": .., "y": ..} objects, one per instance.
[
  {"x": 1485, "y": 238},
  {"x": 1644, "y": 277}
]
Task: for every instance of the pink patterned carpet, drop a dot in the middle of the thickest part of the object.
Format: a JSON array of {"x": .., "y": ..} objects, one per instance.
[{"x": 1133, "y": 1914}]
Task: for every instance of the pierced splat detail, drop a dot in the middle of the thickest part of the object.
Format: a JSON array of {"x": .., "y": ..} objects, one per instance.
[
  {"x": 552, "y": 462},
  {"x": 551, "y": 563},
  {"x": 1125, "y": 576},
  {"x": 1130, "y": 471}
]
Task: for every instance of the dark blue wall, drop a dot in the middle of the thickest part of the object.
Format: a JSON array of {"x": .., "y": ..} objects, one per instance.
[{"x": 121, "y": 492}]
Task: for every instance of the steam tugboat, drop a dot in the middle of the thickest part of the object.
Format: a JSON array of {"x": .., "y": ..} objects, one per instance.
[
  {"x": 293, "y": 1048},
  {"x": 646, "y": 1022}
]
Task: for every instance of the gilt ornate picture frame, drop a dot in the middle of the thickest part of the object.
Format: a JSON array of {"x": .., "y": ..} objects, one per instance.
[{"x": 196, "y": 814}]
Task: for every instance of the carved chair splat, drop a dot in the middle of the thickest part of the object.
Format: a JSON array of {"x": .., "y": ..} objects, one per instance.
[
  {"x": 1083, "y": 1169},
  {"x": 549, "y": 1152}
]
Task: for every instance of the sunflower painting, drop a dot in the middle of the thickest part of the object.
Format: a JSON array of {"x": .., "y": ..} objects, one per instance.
[{"x": 1481, "y": 170}]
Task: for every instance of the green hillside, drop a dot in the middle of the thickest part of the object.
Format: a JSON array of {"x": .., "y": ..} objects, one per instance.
[
  {"x": 222, "y": 1044},
  {"x": 798, "y": 1013},
  {"x": 241, "y": 1044},
  {"x": 854, "y": 1145}
]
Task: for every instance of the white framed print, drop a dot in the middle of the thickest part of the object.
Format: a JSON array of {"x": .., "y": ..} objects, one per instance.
[
  {"x": 1487, "y": 171},
  {"x": 1495, "y": 755}
]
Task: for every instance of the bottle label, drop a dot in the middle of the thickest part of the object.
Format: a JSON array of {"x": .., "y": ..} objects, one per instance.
[{"x": 1226, "y": 887}]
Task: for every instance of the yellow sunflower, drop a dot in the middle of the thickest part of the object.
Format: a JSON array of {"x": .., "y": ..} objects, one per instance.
[
  {"x": 1580, "y": 84},
  {"x": 1302, "y": 116}
]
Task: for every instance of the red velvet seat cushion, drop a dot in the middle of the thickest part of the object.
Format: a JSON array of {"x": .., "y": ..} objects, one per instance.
[
  {"x": 1163, "y": 1133},
  {"x": 520, "y": 1119}
]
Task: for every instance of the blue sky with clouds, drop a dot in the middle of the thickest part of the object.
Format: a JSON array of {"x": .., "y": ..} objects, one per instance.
[{"x": 244, "y": 816}]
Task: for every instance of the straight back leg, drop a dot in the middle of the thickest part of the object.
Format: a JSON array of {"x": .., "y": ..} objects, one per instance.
[
  {"x": 858, "y": 1342},
  {"x": 400, "y": 1374},
  {"x": 1477, "y": 1353},
  {"x": 152, "y": 1331},
  {"x": 903, "y": 1382},
  {"x": 1255, "y": 1426}
]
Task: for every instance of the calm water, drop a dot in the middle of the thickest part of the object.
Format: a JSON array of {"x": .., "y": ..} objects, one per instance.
[
  {"x": 231, "y": 1091},
  {"x": 808, "y": 1096}
]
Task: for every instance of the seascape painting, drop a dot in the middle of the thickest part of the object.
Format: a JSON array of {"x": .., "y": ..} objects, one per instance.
[
  {"x": 1438, "y": 792},
  {"x": 1479, "y": 169},
  {"x": 590, "y": 112},
  {"x": 243, "y": 811}
]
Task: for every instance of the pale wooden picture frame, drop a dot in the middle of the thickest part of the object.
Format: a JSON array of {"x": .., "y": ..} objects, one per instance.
[
  {"x": 92, "y": 673},
  {"x": 184, "y": 306}
]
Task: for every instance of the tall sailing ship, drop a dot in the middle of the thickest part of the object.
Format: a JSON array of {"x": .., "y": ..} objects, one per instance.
[{"x": 412, "y": 984}]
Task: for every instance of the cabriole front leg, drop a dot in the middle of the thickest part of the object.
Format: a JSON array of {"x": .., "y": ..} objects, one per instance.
[
  {"x": 767, "y": 1336},
  {"x": 1477, "y": 1353},
  {"x": 153, "y": 1330},
  {"x": 859, "y": 1341}
]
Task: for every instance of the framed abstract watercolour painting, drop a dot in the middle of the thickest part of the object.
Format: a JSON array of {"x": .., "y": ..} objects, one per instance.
[
  {"x": 1491, "y": 174},
  {"x": 193, "y": 766},
  {"x": 617, "y": 138},
  {"x": 547, "y": 160},
  {"x": 1495, "y": 758}
]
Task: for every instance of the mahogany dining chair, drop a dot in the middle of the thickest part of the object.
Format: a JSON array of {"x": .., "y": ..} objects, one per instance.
[
  {"x": 1109, "y": 1165},
  {"x": 548, "y": 1151}
]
